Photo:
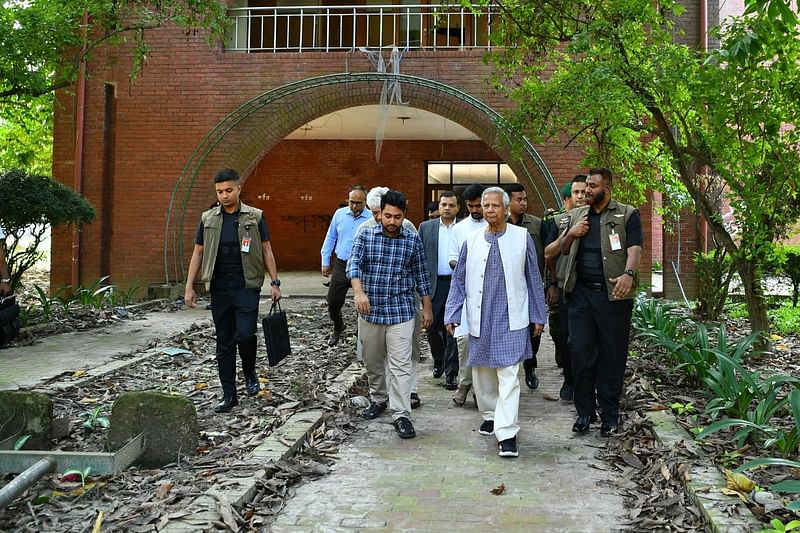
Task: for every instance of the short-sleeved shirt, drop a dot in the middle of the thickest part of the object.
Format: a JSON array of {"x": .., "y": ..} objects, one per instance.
[{"x": 229, "y": 260}]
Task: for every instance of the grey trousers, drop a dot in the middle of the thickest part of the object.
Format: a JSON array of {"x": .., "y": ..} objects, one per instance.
[{"x": 388, "y": 361}]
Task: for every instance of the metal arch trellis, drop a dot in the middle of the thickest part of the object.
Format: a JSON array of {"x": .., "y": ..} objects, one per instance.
[{"x": 173, "y": 229}]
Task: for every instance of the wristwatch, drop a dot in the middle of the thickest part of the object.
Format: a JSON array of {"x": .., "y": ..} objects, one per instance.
[
  {"x": 630, "y": 272},
  {"x": 5, "y": 280},
  {"x": 275, "y": 283}
]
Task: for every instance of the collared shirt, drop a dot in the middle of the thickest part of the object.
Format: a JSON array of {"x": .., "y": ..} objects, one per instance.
[
  {"x": 341, "y": 233},
  {"x": 389, "y": 269},
  {"x": 460, "y": 233},
  {"x": 445, "y": 235}
]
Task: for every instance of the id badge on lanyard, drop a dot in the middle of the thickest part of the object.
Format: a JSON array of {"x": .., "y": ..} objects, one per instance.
[
  {"x": 246, "y": 244},
  {"x": 613, "y": 238}
]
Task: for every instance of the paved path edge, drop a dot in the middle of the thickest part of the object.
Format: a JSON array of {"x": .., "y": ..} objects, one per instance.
[
  {"x": 282, "y": 443},
  {"x": 723, "y": 513}
]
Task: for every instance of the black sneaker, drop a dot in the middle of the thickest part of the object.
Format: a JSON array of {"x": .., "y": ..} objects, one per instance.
[
  {"x": 404, "y": 428},
  {"x": 374, "y": 410},
  {"x": 487, "y": 428},
  {"x": 508, "y": 447}
]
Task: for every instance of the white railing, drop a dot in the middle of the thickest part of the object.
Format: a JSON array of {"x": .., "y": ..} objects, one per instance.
[{"x": 336, "y": 28}]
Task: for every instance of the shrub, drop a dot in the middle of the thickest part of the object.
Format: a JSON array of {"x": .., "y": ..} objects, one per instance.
[
  {"x": 32, "y": 202},
  {"x": 714, "y": 272}
]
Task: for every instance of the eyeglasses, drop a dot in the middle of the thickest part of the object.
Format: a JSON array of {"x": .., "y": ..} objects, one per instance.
[{"x": 353, "y": 202}]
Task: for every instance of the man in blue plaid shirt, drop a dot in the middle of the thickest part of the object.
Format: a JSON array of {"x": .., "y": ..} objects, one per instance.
[{"x": 386, "y": 266}]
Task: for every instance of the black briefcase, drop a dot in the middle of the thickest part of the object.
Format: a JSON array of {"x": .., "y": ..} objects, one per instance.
[
  {"x": 9, "y": 319},
  {"x": 276, "y": 334}
]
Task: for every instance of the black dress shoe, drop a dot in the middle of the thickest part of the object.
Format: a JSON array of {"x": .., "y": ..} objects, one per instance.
[
  {"x": 583, "y": 423},
  {"x": 451, "y": 383},
  {"x": 487, "y": 428},
  {"x": 567, "y": 393},
  {"x": 608, "y": 429},
  {"x": 227, "y": 403},
  {"x": 251, "y": 384},
  {"x": 334, "y": 338},
  {"x": 438, "y": 371},
  {"x": 531, "y": 379},
  {"x": 374, "y": 410}
]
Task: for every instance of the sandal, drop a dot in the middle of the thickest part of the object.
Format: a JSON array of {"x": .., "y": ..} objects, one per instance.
[{"x": 415, "y": 402}]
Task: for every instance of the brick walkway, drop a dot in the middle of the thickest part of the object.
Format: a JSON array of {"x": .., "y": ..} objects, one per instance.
[{"x": 440, "y": 481}]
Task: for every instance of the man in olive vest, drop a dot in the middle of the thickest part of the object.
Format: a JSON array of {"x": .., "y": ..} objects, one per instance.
[
  {"x": 603, "y": 246},
  {"x": 240, "y": 253}
]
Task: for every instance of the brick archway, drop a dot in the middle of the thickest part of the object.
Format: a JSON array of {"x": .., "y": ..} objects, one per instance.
[{"x": 242, "y": 138}]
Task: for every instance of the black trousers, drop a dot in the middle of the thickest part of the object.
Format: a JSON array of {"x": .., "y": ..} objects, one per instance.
[
  {"x": 533, "y": 362},
  {"x": 443, "y": 346},
  {"x": 598, "y": 342},
  {"x": 235, "y": 314},
  {"x": 337, "y": 292},
  {"x": 561, "y": 337}
]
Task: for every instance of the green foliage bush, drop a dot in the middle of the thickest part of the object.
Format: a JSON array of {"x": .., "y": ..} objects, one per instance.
[
  {"x": 786, "y": 319},
  {"x": 34, "y": 202},
  {"x": 714, "y": 272}
]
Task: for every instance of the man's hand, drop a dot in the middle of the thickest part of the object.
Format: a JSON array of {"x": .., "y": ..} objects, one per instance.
[
  {"x": 362, "y": 303},
  {"x": 5, "y": 289},
  {"x": 552, "y": 295},
  {"x": 427, "y": 318},
  {"x": 326, "y": 271},
  {"x": 276, "y": 293},
  {"x": 538, "y": 329},
  {"x": 190, "y": 297},
  {"x": 451, "y": 328},
  {"x": 580, "y": 229},
  {"x": 622, "y": 286}
]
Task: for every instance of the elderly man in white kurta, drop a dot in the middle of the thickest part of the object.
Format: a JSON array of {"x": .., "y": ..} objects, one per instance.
[{"x": 497, "y": 281}]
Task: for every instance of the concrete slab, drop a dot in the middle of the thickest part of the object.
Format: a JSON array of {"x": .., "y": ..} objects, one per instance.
[
  {"x": 441, "y": 480},
  {"x": 25, "y": 367}
]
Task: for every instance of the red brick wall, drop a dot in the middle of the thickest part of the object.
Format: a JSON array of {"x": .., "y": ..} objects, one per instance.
[{"x": 183, "y": 92}]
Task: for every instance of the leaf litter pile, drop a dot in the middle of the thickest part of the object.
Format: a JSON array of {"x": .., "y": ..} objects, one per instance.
[
  {"x": 653, "y": 474},
  {"x": 145, "y": 499}
]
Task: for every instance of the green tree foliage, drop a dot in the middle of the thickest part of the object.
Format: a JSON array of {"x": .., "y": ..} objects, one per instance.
[
  {"x": 29, "y": 204},
  {"x": 789, "y": 264},
  {"x": 26, "y": 135},
  {"x": 43, "y": 42},
  {"x": 611, "y": 75}
]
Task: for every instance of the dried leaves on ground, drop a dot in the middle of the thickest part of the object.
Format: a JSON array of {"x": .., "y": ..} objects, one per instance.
[{"x": 144, "y": 499}]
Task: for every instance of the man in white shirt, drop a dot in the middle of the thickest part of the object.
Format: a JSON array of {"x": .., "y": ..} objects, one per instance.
[
  {"x": 462, "y": 230},
  {"x": 435, "y": 235}
]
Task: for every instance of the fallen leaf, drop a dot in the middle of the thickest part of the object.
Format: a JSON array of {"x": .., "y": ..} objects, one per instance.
[
  {"x": 264, "y": 393},
  {"x": 78, "y": 373},
  {"x": 774, "y": 337},
  {"x": 200, "y": 386},
  {"x": 782, "y": 347},
  {"x": 263, "y": 380},
  {"x": 87, "y": 400},
  {"x": 163, "y": 490},
  {"x": 98, "y": 524},
  {"x": 550, "y": 397},
  {"x": 657, "y": 407},
  {"x": 739, "y": 482},
  {"x": 498, "y": 490},
  {"x": 665, "y": 471}
]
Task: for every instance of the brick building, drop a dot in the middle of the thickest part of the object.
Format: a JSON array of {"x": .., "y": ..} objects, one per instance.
[{"x": 290, "y": 100}]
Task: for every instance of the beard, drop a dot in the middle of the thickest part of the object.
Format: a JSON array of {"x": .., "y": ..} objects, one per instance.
[{"x": 596, "y": 198}]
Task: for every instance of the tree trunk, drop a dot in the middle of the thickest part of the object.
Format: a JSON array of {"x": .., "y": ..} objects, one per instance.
[{"x": 756, "y": 304}]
